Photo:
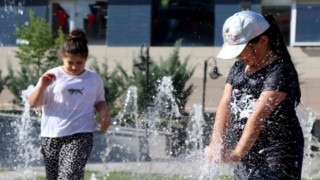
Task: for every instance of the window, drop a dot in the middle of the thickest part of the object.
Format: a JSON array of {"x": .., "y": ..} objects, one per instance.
[
  {"x": 189, "y": 20},
  {"x": 84, "y": 14},
  {"x": 307, "y": 24},
  {"x": 282, "y": 16}
]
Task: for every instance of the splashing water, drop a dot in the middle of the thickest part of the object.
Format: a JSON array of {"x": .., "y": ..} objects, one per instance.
[
  {"x": 194, "y": 139},
  {"x": 307, "y": 117},
  {"x": 164, "y": 108},
  {"x": 27, "y": 140},
  {"x": 193, "y": 165},
  {"x": 93, "y": 176},
  {"x": 164, "y": 105},
  {"x": 125, "y": 125},
  {"x": 14, "y": 6},
  {"x": 129, "y": 109}
]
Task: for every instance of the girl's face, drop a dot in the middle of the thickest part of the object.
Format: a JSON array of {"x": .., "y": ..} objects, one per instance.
[
  {"x": 254, "y": 54},
  {"x": 73, "y": 64},
  {"x": 249, "y": 54}
]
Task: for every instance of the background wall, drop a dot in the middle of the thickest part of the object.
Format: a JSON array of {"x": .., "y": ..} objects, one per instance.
[
  {"x": 10, "y": 16},
  {"x": 306, "y": 60},
  {"x": 129, "y": 22}
]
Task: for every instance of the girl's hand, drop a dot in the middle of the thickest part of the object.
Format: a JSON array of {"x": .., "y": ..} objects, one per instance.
[
  {"x": 208, "y": 153},
  {"x": 35, "y": 99},
  {"x": 213, "y": 153},
  {"x": 231, "y": 157},
  {"x": 217, "y": 154},
  {"x": 47, "y": 78},
  {"x": 104, "y": 116},
  {"x": 105, "y": 123}
]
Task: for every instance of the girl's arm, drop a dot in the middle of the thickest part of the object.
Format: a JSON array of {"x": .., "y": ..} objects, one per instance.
[
  {"x": 217, "y": 146},
  {"x": 35, "y": 99},
  {"x": 104, "y": 116},
  {"x": 264, "y": 106}
]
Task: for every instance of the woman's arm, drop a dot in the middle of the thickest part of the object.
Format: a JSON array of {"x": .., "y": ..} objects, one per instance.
[
  {"x": 217, "y": 146},
  {"x": 104, "y": 116},
  {"x": 35, "y": 99},
  {"x": 264, "y": 106}
]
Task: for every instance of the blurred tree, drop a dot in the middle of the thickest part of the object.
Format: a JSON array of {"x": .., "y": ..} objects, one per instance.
[
  {"x": 2, "y": 82},
  {"x": 172, "y": 67},
  {"x": 113, "y": 84},
  {"x": 38, "y": 52}
]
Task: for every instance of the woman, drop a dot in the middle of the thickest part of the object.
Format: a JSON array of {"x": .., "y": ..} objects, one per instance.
[
  {"x": 69, "y": 96},
  {"x": 256, "y": 122}
]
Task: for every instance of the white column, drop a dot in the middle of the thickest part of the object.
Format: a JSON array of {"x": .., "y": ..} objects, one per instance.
[
  {"x": 293, "y": 23},
  {"x": 72, "y": 16}
]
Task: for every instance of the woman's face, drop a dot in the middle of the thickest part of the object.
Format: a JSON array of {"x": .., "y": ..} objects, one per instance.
[{"x": 73, "y": 64}]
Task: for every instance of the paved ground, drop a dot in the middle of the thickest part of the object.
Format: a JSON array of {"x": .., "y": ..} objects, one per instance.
[{"x": 311, "y": 169}]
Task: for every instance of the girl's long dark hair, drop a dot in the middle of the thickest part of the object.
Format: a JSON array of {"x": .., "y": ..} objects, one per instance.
[
  {"x": 76, "y": 44},
  {"x": 278, "y": 46}
]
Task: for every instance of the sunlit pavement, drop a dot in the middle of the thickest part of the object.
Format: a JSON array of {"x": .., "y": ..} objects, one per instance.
[{"x": 311, "y": 169}]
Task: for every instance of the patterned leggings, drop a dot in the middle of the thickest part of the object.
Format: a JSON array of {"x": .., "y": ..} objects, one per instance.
[{"x": 65, "y": 157}]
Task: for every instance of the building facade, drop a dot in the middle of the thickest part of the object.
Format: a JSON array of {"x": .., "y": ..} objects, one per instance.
[
  {"x": 116, "y": 29},
  {"x": 159, "y": 22}
]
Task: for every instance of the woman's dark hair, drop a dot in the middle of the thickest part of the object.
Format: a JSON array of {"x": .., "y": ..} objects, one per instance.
[
  {"x": 76, "y": 44},
  {"x": 278, "y": 46}
]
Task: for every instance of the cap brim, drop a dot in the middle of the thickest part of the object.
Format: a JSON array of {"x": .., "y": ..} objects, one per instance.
[{"x": 230, "y": 51}]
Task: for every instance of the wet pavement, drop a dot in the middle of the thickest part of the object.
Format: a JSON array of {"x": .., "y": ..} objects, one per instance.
[{"x": 311, "y": 169}]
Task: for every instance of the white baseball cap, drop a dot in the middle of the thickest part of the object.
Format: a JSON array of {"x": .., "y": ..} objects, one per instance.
[{"x": 238, "y": 30}]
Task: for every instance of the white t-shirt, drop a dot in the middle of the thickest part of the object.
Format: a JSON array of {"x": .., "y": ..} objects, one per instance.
[{"x": 68, "y": 106}]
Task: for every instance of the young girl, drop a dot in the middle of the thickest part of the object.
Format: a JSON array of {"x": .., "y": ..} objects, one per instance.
[
  {"x": 256, "y": 122},
  {"x": 69, "y": 96}
]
